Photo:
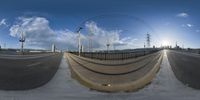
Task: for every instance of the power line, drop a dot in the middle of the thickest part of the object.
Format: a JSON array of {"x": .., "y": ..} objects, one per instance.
[
  {"x": 90, "y": 35},
  {"x": 79, "y": 40},
  {"x": 108, "y": 44},
  {"x": 148, "y": 39}
]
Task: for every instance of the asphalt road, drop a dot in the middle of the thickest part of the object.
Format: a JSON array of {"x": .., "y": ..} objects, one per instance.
[
  {"x": 164, "y": 86},
  {"x": 18, "y": 72},
  {"x": 186, "y": 67}
]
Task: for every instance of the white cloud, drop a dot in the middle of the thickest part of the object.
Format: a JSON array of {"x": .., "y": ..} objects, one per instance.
[
  {"x": 187, "y": 25},
  {"x": 183, "y": 15},
  {"x": 101, "y": 37},
  {"x": 3, "y": 22},
  {"x": 39, "y": 34}
]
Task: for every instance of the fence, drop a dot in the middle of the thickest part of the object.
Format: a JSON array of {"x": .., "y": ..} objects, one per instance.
[{"x": 114, "y": 55}]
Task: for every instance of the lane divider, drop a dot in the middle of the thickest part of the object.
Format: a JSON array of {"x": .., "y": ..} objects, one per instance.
[{"x": 134, "y": 70}]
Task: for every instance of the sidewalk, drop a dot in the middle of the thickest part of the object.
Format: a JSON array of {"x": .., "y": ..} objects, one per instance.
[{"x": 164, "y": 86}]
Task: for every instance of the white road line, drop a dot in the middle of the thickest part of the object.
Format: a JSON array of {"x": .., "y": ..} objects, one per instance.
[
  {"x": 186, "y": 53},
  {"x": 34, "y": 64},
  {"x": 24, "y": 57}
]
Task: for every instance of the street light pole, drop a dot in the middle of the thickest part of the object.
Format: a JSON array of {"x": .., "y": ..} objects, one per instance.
[
  {"x": 22, "y": 40},
  {"x": 79, "y": 41}
]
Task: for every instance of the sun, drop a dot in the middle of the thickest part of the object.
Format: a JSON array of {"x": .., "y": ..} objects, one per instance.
[{"x": 165, "y": 43}]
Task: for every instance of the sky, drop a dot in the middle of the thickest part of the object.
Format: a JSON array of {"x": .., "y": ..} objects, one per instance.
[{"x": 122, "y": 24}]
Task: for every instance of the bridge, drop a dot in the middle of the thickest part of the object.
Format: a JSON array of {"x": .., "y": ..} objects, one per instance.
[{"x": 115, "y": 75}]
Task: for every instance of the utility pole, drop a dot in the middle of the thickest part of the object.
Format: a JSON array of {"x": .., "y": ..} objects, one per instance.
[
  {"x": 144, "y": 48},
  {"x": 108, "y": 44},
  {"x": 53, "y": 48},
  {"x": 148, "y": 40},
  {"x": 79, "y": 40},
  {"x": 22, "y": 40},
  {"x": 89, "y": 44},
  {"x": 90, "y": 41}
]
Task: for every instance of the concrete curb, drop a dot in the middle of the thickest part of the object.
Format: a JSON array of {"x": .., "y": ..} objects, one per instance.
[
  {"x": 131, "y": 86},
  {"x": 114, "y": 62},
  {"x": 114, "y": 70}
]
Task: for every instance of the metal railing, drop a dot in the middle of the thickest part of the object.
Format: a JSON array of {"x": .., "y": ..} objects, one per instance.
[{"x": 115, "y": 55}]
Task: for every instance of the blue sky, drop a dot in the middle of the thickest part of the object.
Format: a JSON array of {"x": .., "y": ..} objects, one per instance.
[{"x": 54, "y": 21}]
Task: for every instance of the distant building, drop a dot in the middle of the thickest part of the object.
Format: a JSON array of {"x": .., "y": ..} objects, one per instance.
[
  {"x": 0, "y": 47},
  {"x": 53, "y": 49},
  {"x": 177, "y": 47}
]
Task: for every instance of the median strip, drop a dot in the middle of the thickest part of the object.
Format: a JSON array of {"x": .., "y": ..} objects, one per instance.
[{"x": 100, "y": 81}]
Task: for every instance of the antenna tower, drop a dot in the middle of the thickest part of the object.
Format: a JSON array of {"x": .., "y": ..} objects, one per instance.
[{"x": 148, "y": 40}]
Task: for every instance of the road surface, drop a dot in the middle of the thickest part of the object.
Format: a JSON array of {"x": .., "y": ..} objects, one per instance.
[
  {"x": 165, "y": 86},
  {"x": 19, "y": 72},
  {"x": 186, "y": 67}
]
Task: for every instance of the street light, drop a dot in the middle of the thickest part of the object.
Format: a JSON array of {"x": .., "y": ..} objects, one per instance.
[
  {"x": 79, "y": 40},
  {"x": 22, "y": 40}
]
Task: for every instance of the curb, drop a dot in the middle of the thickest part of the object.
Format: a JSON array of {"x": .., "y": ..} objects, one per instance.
[{"x": 131, "y": 86}]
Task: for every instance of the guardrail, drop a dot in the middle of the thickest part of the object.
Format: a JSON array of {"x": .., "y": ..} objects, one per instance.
[{"x": 114, "y": 55}]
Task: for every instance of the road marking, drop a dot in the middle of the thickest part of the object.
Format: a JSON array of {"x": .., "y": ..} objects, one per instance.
[
  {"x": 24, "y": 57},
  {"x": 34, "y": 64}
]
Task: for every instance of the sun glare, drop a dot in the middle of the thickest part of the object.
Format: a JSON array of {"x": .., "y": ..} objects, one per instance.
[{"x": 165, "y": 43}]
